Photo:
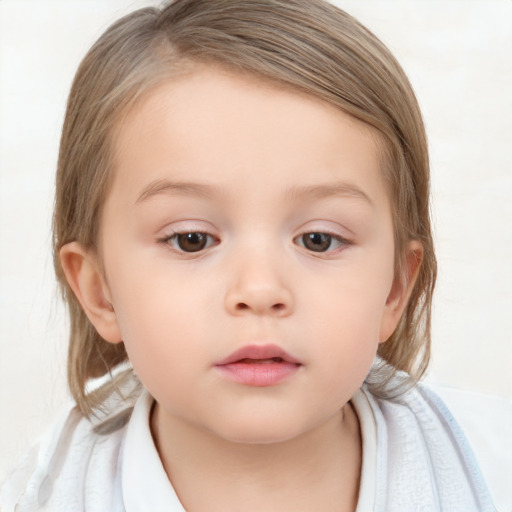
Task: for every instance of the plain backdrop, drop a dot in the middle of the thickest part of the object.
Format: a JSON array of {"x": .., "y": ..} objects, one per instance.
[{"x": 458, "y": 55}]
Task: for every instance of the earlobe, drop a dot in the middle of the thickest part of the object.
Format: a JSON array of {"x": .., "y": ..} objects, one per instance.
[
  {"x": 401, "y": 290},
  {"x": 86, "y": 280}
]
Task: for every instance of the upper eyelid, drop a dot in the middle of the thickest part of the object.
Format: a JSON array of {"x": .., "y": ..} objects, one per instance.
[
  {"x": 325, "y": 232},
  {"x": 329, "y": 232},
  {"x": 189, "y": 226},
  {"x": 341, "y": 239},
  {"x": 320, "y": 227},
  {"x": 175, "y": 233}
]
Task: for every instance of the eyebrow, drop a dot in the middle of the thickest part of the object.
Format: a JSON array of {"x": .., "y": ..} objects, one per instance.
[
  {"x": 328, "y": 190},
  {"x": 309, "y": 192},
  {"x": 186, "y": 188}
]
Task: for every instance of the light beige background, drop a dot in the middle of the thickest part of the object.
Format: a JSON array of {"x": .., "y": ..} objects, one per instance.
[{"x": 458, "y": 54}]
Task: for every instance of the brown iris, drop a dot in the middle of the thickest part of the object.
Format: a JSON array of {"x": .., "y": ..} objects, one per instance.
[
  {"x": 318, "y": 242},
  {"x": 191, "y": 242}
]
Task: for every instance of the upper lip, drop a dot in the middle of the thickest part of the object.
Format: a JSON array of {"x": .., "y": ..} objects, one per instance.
[{"x": 256, "y": 352}]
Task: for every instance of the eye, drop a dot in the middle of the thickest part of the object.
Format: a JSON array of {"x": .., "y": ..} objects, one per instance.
[
  {"x": 193, "y": 241},
  {"x": 321, "y": 242}
]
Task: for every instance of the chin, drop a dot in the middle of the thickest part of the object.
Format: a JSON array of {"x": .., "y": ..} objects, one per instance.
[{"x": 264, "y": 431}]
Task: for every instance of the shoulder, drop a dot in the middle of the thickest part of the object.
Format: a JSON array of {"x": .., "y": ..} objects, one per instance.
[
  {"x": 77, "y": 460},
  {"x": 486, "y": 421},
  {"x": 462, "y": 439},
  {"x": 26, "y": 478},
  {"x": 56, "y": 467}
]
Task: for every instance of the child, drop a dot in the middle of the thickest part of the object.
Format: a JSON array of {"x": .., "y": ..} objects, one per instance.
[{"x": 242, "y": 213}]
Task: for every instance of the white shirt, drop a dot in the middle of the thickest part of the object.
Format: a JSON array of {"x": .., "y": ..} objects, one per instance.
[{"x": 415, "y": 458}]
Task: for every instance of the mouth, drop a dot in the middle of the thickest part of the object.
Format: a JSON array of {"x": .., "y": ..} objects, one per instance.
[
  {"x": 261, "y": 361},
  {"x": 258, "y": 365}
]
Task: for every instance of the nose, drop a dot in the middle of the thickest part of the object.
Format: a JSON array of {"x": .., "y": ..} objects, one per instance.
[{"x": 257, "y": 287}]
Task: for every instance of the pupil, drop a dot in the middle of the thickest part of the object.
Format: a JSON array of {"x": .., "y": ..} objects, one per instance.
[
  {"x": 192, "y": 242},
  {"x": 317, "y": 242}
]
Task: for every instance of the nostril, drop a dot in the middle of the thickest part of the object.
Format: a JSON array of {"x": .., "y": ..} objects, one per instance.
[{"x": 242, "y": 306}]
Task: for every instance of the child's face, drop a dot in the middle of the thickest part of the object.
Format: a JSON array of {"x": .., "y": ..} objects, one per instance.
[{"x": 296, "y": 252}]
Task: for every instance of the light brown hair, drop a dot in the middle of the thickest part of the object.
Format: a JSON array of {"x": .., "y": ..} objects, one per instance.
[{"x": 306, "y": 45}]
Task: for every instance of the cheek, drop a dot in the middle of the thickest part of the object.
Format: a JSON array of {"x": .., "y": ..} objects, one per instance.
[
  {"x": 349, "y": 313},
  {"x": 353, "y": 300},
  {"x": 351, "y": 337},
  {"x": 157, "y": 312}
]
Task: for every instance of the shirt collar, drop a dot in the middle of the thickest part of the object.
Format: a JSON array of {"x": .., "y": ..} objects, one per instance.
[
  {"x": 145, "y": 484},
  {"x": 368, "y": 427}
]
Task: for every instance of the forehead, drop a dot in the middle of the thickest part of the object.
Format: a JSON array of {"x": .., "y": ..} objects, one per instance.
[{"x": 218, "y": 126}]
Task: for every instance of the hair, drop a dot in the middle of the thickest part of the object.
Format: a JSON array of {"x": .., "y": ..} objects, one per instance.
[{"x": 308, "y": 46}]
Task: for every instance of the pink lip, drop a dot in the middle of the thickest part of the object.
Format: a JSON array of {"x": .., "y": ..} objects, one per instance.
[{"x": 258, "y": 365}]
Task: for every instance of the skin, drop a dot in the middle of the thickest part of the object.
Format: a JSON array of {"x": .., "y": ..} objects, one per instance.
[{"x": 294, "y": 445}]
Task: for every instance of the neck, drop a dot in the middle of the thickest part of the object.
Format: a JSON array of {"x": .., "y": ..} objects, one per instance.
[{"x": 318, "y": 470}]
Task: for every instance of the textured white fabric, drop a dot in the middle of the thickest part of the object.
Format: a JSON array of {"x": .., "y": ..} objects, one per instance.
[
  {"x": 415, "y": 458},
  {"x": 486, "y": 420},
  {"x": 430, "y": 465}
]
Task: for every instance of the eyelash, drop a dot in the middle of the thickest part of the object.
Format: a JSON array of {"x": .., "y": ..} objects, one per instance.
[
  {"x": 170, "y": 239},
  {"x": 343, "y": 242}
]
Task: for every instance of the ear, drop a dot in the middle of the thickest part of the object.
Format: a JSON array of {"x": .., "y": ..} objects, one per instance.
[
  {"x": 85, "y": 278},
  {"x": 401, "y": 290}
]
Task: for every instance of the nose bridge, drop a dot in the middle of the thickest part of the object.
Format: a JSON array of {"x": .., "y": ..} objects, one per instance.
[{"x": 258, "y": 280}]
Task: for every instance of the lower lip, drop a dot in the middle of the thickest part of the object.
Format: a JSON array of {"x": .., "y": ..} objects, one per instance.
[{"x": 258, "y": 374}]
